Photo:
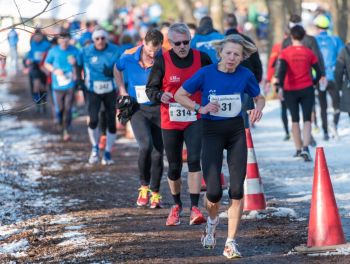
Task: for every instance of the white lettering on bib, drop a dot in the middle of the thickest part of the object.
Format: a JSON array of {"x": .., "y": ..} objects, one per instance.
[
  {"x": 64, "y": 79},
  {"x": 178, "y": 113},
  {"x": 141, "y": 95},
  {"x": 102, "y": 87},
  {"x": 230, "y": 105}
]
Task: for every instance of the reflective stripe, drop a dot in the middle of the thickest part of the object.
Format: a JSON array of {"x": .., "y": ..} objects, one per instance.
[
  {"x": 253, "y": 186},
  {"x": 251, "y": 156}
]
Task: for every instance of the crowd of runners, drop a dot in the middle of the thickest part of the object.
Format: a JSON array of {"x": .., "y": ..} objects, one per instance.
[{"x": 181, "y": 85}]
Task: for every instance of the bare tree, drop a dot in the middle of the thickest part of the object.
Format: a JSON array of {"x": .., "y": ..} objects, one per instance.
[
  {"x": 340, "y": 10},
  {"x": 186, "y": 10}
]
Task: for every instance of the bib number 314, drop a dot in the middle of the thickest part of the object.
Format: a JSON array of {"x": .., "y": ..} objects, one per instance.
[{"x": 178, "y": 113}]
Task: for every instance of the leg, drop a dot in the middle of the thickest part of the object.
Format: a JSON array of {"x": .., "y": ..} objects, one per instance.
[
  {"x": 307, "y": 102},
  {"x": 334, "y": 93},
  {"x": 284, "y": 117},
  {"x": 94, "y": 104},
  {"x": 109, "y": 101},
  {"x": 322, "y": 97},
  {"x": 292, "y": 102}
]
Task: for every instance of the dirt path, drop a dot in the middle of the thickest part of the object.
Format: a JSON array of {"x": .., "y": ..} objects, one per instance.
[{"x": 76, "y": 213}]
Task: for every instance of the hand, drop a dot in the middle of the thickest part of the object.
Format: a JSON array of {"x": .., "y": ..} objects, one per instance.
[
  {"x": 58, "y": 72},
  {"x": 166, "y": 96},
  {"x": 212, "y": 107},
  {"x": 107, "y": 71},
  {"x": 254, "y": 115}
]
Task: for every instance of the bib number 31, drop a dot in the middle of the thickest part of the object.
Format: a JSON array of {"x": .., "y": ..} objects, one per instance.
[
  {"x": 230, "y": 105},
  {"x": 178, "y": 113}
]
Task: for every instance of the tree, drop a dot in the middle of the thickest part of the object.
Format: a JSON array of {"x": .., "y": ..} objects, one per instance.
[
  {"x": 340, "y": 10},
  {"x": 186, "y": 10}
]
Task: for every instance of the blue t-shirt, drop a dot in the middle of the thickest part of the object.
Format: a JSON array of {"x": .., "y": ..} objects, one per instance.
[
  {"x": 330, "y": 47},
  {"x": 12, "y": 38},
  {"x": 94, "y": 62},
  {"x": 38, "y": 49},
  {"x": 204, "y": 44},
  {"x": 136, "y": 75},
  {"x": 59, "y": 59},
  {"x": 225, "y": 88}
]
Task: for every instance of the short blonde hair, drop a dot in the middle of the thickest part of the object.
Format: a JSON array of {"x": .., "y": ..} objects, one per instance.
[{"x": 248, "y": 47}]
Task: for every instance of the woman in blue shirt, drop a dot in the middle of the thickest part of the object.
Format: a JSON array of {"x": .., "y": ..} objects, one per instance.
[{"x": 222, "y": 86}]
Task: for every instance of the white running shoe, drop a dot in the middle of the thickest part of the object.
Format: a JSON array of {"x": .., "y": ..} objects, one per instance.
[
  {"x": 208, "y": 238},
  {"x": 93, "y": 159},
  {"x": 107, "y": 159},
  {"x": 231, "y": 251}
]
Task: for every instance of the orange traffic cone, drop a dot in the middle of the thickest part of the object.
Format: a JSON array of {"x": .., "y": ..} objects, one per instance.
[
  {"x": 128, "y": 131},
  {"x": 254, "y": 198},
  {"x": 222, "y": 180},
  {"x": 325, "y": 227},
  {"x": 184, "y": 154}
]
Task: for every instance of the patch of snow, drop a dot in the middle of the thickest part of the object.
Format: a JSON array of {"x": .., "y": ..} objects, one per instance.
[{"x": 14, "y": 247}]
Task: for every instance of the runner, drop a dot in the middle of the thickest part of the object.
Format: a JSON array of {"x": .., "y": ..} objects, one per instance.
[
  {"x": 61, "y": 61},
  {"x": 330, "y": 47},
  {"x": 39, "y": 45},
  {"x": 178, "y": 124},
  {"x": 294, "y": 77},
  {"x": 223, "y": 128},
  {"x": 98, "y": 60},
  {"x": 136, "y": 65}
]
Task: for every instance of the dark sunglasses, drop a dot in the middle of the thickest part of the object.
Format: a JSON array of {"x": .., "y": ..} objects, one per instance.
[
  {"x": 100, "y": 38},
  {"x": 178, "y": 43}
]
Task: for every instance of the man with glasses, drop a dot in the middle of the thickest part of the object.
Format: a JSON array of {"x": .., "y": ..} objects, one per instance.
[
  {"x": 136, "y": 64},
  {"x": 178, "y": 124},
  {"x": 98, "y": 59},
  {"x": 61, "y": 61}
]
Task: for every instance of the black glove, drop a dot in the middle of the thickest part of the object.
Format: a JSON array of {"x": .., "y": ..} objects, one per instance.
[
  {"x": 80, "y": 85},
  {"x": 108, "y": 71}
]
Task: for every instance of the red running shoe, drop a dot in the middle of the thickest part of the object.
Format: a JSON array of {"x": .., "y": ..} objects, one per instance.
[
  {"x": 196, "y": 217},
  {"x": 143, "y": 198},
  {"x": 174, "y": 216}
]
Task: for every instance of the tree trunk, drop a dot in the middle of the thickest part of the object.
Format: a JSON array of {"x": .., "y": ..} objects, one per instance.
[
  {"x": 293, "y": 7},
  {"x": 217, "y": 14},
  {"x": 186, "y": 10},
  {"x": 339, "y": 10}
]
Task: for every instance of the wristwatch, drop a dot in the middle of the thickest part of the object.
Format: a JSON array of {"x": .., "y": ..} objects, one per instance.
[{"x": 196, "y": 108}]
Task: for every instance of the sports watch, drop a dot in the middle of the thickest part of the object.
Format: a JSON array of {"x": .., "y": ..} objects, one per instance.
[{"x": 196, "y": 108}]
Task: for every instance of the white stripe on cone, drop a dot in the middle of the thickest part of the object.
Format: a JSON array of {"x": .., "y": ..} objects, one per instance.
[
  {"x": 253, "y": 186},
  {"x": 251, "y": 156}
]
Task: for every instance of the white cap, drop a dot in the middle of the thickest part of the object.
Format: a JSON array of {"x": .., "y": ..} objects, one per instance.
[{"x": 98, "y": 33}]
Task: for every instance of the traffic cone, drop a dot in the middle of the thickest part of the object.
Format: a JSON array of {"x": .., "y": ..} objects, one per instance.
[
  {"x": 254, "y": 198},
  {"x": 184, "y": 154},
  {"x": 129, "y": 134},
  {"x": 325, "y": 227}
]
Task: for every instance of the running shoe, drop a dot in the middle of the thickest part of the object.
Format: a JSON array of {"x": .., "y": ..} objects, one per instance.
[
  {"x": 93, "y": 159},
  {"x": 231, "y": 251},
  {"x": 325, "y": 137},
  {"x": 66, "y": 136},
  {"x": 174, "y": 216},
  {"x": 143, "y": 198},
  {"x": 286, "y": 138},
  {"x": 155, "y": 200},
  {"x": 306, "y": 155},
  {"x": 208, "y": 238},
  {"x": 196, "y": 217},
  {"x": 297, "y": 154},
  {"x": 102, "y": 143},
  {"x": 107, "y": 159},
  {"x": 313, "y": 142}
]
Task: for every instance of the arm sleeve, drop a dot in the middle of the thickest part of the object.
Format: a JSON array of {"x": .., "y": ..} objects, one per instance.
[
  {"x": 121, "y": 63},
  {"x": 257, "y": 66},
  {"x": 205, "y": 59},
  {"x": 339, "y": 68},
  {"x": 315, "y": 48},
  {"x": 316, "y": 67},
  {"x": 282, "y": 70},
  {"x": 155, "y": 80},
  {"x": 195, "y": 82}
]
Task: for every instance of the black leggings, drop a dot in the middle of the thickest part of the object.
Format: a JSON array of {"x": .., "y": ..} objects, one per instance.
[
  {"x": 94, "y": 104},
  {"x": 173, "y": 144},
  {"x": 322, "y": 98},
  {"x": 219, "y": 135},
  {"x": 284, "y": 116},
  {"x": 63, "y": 102},
  {"x": 305, "y": 97},
  {"x": 145, "y": 124}
]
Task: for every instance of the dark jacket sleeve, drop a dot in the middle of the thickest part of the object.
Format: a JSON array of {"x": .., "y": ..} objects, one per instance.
[
  {"x": 256, "y": 66},
  {"x": 317, "y": 69},
  {"x": 340, "y": 68},
  {"x": 282, "y": 70},
  {"x": 155, "y": 80},
  {"x": 205, "y": 59},
  {"x": 311, "y": 42}
]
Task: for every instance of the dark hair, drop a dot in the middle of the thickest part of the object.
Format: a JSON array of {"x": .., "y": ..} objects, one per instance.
[
  {"x": 164, "y": 24},
  {"x": 192, "y": 26},
  {"x": 154, "y": 36},
  {"x": 64, "y": 34},
  {"x": 295, "y": 18},
  {"x": 232, "y": 20},
  {"x": 297, "y": 32}
]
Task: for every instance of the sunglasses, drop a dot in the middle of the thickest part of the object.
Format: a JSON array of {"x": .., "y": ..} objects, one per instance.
[
  {"x": 178, "y": 43},
  {"x": 100, "y": 38}
]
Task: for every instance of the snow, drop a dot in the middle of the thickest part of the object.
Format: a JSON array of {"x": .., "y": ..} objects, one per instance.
[{"x": 14, "y": 248}]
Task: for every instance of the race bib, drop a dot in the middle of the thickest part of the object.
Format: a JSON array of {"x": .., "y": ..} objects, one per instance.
[
  {"x": 141, "y": 95},
  {"x": 102, "y": 87},
  {"x": 178, "y": 113},
  {"x": 65, "y": 79},
  {"x": 38, "y": 55},
  {"x": 230, "y": 105}
]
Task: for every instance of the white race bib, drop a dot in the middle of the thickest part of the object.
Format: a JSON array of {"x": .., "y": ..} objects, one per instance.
[
  {"x": 102, "y": 87},
  {"x": 141, "y": 95},
  {"x": 230, "y": 105},
  {"x": 38, "y": 55},
  {"x": 65, "y": 79},
  {"x": 178, "y": 113}
]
